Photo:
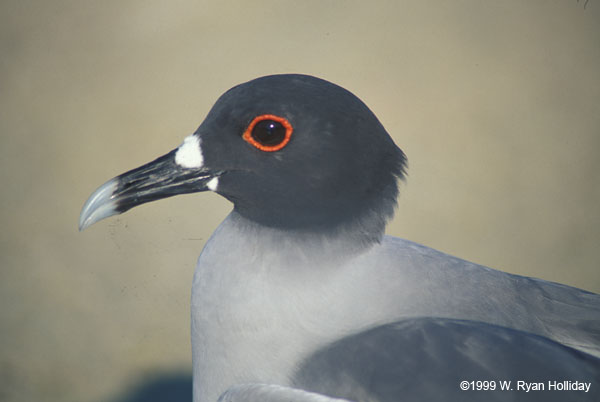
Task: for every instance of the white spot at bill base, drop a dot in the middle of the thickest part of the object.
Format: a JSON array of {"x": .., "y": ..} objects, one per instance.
[
  {"x": 189, "y": 153},
  {"x": 213, "y": 184}
]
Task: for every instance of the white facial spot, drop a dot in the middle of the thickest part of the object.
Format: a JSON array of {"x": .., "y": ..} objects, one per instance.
[
  {"x": 213, "y": 184},
  {"x": 189, "y": 154}
]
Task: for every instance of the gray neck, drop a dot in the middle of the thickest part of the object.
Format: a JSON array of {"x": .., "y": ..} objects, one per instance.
[
  {"x": 307, "y": 246},
  {"x": 256, "y": 298}
]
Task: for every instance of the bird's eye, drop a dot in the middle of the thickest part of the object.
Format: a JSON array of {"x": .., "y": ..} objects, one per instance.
[{"x": 268, "y": 132}]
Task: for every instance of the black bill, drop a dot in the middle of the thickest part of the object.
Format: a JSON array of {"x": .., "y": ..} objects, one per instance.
[{"x": 158, "y": 179}]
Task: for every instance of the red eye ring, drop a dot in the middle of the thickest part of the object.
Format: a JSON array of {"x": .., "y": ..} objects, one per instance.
[{"x": 247, "y": 136}]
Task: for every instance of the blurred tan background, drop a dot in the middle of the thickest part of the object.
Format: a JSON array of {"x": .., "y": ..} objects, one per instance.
[{"x": 496, "y": 104}]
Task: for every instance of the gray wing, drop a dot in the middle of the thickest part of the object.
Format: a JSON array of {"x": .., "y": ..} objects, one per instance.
[
  {"x": 424, "y": 282},
  {"x": 425, "y": 359}
]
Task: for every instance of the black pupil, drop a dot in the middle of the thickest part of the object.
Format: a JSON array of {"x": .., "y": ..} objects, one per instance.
[{"x": 268, "y": 132}]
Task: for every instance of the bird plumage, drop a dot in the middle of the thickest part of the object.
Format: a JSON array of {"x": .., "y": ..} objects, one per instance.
[{"x": 299, "y": 282}]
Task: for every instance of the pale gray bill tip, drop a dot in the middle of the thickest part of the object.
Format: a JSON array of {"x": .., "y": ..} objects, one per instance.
[{"x": 100, "y": 205}]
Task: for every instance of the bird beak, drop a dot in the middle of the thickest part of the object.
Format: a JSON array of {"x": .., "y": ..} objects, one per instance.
[{"x": 158, "y": 179}]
